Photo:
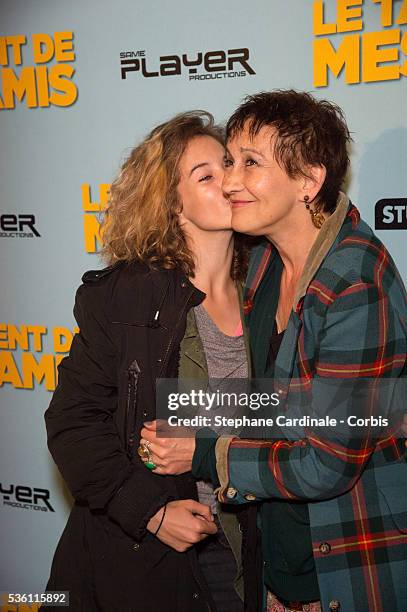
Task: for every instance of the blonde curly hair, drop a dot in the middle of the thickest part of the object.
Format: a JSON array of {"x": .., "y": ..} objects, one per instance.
[{"x": 141, "y": 221}]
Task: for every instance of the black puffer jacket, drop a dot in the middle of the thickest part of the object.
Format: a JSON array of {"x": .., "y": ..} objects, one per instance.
[{"x": 131, "y": 323}]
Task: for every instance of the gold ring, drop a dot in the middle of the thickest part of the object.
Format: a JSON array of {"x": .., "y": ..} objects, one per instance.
[{"x": 143, "y": 452}]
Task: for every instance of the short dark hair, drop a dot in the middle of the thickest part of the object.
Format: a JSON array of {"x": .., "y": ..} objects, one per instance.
[{"x": 310, "y": 132}]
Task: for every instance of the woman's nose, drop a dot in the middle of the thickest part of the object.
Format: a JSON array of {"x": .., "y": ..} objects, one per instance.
[{"x": 232, "y": 181}]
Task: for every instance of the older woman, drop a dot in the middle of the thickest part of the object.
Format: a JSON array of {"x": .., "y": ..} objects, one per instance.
[{"x": 327, "y": 312}]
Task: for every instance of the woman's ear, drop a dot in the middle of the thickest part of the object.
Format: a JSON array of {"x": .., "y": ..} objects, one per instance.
[
  {"x": 314, "y": 180},
  {"x": 178, "y": 209},
  {"x": 181, "y": 218}
]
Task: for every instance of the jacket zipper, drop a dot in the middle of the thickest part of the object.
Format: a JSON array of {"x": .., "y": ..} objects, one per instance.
[
  {"x": 167, "y": 350},
  {"x": 133, "y": 373}
]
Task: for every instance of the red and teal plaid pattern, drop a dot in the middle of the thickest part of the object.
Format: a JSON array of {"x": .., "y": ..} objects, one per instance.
[{"x": 349, "y": 325}]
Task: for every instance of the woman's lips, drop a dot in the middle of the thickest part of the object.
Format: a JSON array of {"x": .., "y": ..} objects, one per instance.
[{"x": 240, "y": 203}]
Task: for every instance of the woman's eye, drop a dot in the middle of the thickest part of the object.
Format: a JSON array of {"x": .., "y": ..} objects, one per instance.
[
  {"x": 251, "y": 162},
  {"x": 205, "y": 178},
  {"x": 227, "y": 162}
]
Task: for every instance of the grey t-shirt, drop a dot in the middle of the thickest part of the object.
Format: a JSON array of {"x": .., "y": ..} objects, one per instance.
[{"x": 226, "y": 359}]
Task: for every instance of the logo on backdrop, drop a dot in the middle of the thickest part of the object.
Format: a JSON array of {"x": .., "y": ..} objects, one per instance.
[
  {"x": 27, "y": 498},
  {"x": 43, "y": 84},
  {"x": 197, "y": 66},
  {"x": 18, "y": 226},
  {"x": 91, "y": 217},
  {"x": 26, "y": 357},
  {"x": 364, "y": 57},
  {"x": 391, "y": 214}
]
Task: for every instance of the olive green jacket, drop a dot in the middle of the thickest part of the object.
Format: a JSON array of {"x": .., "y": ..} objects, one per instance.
[{"x": 193, "y": 365}]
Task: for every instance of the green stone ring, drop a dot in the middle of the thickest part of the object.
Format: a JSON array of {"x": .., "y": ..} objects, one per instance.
[{"x": 150, "y": 465}]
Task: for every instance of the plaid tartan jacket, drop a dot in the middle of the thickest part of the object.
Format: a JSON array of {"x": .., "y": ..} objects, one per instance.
[{"x": 348, "y": 322}]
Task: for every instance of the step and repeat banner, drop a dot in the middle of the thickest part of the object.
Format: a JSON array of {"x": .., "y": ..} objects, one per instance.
[{"x": 80, "y": 84}]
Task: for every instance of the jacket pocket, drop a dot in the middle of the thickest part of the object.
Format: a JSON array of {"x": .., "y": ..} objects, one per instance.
[
  {"x": 133, "y": 373},
  {"x": 396, "y": 501}
]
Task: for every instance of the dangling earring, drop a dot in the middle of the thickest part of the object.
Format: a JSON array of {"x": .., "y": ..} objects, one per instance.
[{"x": 317, "y": 218}]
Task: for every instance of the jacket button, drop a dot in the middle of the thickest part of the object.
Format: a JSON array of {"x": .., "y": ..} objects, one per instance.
[
  {"x": 159, "y": 360},
  {"x": 231, "y": 493},
  {"x": 195, "y": 595},
  {"x": 250, "y": 497},
  {"x": 325, "y": 548},
  {"x": 183, "y": 284},
  {"x": 136, "y": 546},
  {"x": 334, "y": 605}
]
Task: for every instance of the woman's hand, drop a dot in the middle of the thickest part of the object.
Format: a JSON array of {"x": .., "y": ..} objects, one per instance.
[
  {"x": 186, "y": 522},
  {"x": 172, "y": 455}
]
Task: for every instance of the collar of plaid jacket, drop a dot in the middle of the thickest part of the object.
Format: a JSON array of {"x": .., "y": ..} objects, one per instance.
[{"x": 344, "y": 213}]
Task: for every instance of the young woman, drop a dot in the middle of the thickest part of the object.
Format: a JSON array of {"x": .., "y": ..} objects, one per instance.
[
  {"x": 327, "y": 313},
  {"x": 135, "y": 541}
]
